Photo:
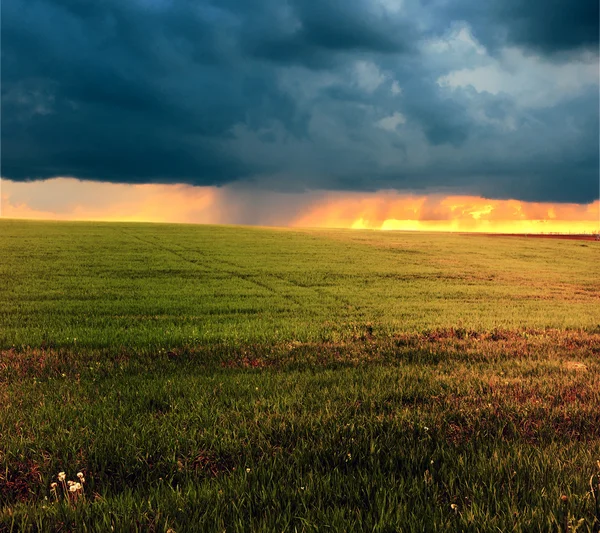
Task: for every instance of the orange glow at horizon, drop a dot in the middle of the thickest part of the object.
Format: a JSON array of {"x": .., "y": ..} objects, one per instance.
[
  {"x": 392, "y": 211},
  {"x": 71, "y": 199}
]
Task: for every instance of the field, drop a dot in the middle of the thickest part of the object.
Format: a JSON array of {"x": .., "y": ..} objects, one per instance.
[{"x": 211, "y": 378}]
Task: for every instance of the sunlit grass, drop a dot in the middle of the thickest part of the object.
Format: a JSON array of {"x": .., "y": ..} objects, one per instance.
[
  {"x": 143, "y": 285},
  {"x": 211, "y": 378}
]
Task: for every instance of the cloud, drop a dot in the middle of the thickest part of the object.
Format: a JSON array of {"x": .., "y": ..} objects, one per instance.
[
  {"x": 391, "y": 122},
  {"x": 395, "y": 88},
  {"x": 450, "y": 97},
  {"x": 548, "y": 28},
  {"x": 551, "y": 26},
  {"x": 530, "y": 80},
  {"x": 368, "y": 76}
]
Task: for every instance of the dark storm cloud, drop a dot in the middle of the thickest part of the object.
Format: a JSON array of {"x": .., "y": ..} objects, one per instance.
[
  {"x": 311, "y": 32},
  {"x": 443, "y": 120},
  {"x": 301, "y": 95},
  {"x": 551, "y": 26},
  {"x": 130, "y": 94},
  {"x": 544, "y": 26}
]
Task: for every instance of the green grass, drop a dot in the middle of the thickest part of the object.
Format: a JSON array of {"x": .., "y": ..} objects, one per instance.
[
  {"x": 247, "y": 379},
  {"x": 143, "y": 285}
]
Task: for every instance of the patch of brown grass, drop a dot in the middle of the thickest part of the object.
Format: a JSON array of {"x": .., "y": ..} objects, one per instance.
[
  {"x": 574, "y": 365},
  {"x": 20, "y": 480},
  {"x": 34, "y": 361},
  {"x": 574, "y": 344},
  {"x": 578, "y": 350},
  {"x": 206, "y": 462},
  {"x": 247, "y": 362}
]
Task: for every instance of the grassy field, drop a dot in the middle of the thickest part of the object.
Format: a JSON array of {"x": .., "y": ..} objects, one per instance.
[{"x": 247, "y": 379}]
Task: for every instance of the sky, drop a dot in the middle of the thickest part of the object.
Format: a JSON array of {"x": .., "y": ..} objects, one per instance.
[{"x": 388, "y": 114}]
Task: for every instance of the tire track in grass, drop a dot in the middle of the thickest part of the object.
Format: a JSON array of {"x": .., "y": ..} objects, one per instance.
[
  {"x": 160, "y": 247},
  {"x": 319, "y": 293},
  {"x": 339, "y": 302},
  {"x": 207, "y": 267}
]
